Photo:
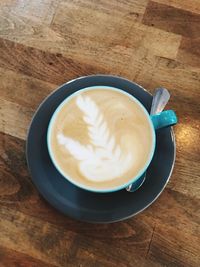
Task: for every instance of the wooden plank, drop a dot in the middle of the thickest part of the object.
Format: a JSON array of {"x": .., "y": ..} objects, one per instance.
[
  {"x": 52, "y": 68},
  {"x": 12, "y": 258},
  {"x": 178, "y": 78},
  {"x": 172, "y": 19},
  {"x": 188, "y": 157},
  {"x": 176, "y": 239},
  {"x": 57, "y": 69},
  {"x": 35, "y": 238},
  {"x": 170, "y": 247},
  {"x": 107, "y": 34},
  {"x": 192, "y": 6},
  {"x": 14, "y": 119},
  {"x": 24, "y": 90},
  {"x": 189, "y": 52},
  {"x": 176, "y": 210},
  {"x": 59, "y": 246},
  {"x": 84, "y": 45},
  {"x": 131, "y": 8},
  {"x": 40, "y": 11},
  {"x": 26, "y": 31}
]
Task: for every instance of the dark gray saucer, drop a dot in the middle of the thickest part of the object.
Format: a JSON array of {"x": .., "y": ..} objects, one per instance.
[{"x": 81, "y": 204}]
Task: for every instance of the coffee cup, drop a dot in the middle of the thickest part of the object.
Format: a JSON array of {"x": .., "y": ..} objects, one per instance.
[{"x": 102, "y": 139}]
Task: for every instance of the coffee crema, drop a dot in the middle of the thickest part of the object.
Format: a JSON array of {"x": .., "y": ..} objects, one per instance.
[{"x": 100, "y": 138}]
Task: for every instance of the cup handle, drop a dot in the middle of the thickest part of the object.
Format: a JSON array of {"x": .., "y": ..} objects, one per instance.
[{"x": 164, "y": 119}]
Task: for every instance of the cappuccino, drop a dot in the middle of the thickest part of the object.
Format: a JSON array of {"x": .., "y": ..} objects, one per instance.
[{"x": 100, "y": 138}]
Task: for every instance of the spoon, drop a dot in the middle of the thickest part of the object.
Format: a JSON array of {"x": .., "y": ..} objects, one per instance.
[{"x": 160, "y": 99}]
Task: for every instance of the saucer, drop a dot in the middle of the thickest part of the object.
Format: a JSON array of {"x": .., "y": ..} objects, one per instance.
[{"x": 81, "y": 204}]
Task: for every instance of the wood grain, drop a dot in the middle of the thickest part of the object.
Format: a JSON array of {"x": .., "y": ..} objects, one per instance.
[
  {"x": 179, "y": 252},
  {"x": 113, "y": 32},
  {"x": 192, "y": 6},
  {"x": 172, "y": 19},
  {"x": 45, "y": 43},
  {"x": 189, "y": 51},
  {"x": 38, "y": 11},
  {"x": 14, "y": 119},
  {"x": 22, "y": 89},
  {"x": 53, "y": 68},
  {"x": 12, "y": 258},
  {"x": 44, "y": 241}
]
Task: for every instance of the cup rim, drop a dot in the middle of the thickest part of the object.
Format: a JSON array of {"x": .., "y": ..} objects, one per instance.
[{"x": 70, "y": 179}]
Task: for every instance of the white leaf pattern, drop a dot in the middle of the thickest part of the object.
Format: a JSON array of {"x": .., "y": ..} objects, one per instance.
[
  {"x": 102, "y": 159},
  {"x": 75, "y": 147}
]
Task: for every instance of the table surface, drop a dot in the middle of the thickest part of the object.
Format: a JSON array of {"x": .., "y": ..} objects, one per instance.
[{"x": 44, "y": 43}]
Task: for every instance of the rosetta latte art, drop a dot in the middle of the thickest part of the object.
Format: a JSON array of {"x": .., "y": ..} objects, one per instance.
[{"x": 102, "y": 159}]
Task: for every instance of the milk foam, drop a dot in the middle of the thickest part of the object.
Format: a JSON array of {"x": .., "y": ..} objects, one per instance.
[{"x": 101, "y": 159}]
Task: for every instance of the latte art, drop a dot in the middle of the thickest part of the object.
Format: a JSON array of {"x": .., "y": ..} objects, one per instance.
[
  {"x": 100, "y": 138},
  {"x": 101, "y": 159}
]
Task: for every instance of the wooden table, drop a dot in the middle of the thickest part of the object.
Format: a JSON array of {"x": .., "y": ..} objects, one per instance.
[{"x": 44, "y": 43}]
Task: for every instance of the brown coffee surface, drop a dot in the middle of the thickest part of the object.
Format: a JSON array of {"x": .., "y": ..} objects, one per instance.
[{"x": 101, "y": 138}]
